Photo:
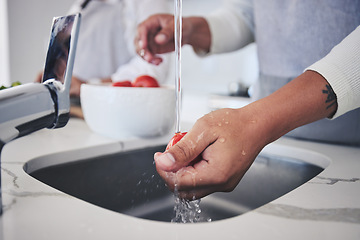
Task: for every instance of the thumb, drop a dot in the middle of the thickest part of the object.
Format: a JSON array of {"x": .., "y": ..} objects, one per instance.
[
  {"x": 166, "y": 30},
  {"x": 183, "y": 153},
  {"x": 164, "y": 36}
]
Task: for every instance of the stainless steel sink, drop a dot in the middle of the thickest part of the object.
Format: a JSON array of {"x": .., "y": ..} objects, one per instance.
[{"x": 128, "y": 183}]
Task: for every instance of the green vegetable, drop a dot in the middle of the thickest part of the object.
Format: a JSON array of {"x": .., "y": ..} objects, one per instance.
[
  {"x": 14, "y": 84},
  {"x": 17, "y": 83}
]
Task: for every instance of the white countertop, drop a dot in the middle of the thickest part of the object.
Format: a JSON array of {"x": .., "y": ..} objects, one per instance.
[{"x": 326, "y": 207}]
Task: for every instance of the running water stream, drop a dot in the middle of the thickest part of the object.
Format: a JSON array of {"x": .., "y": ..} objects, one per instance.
[
  {"x": 185, "y": 211},
  {"x": 178, "y": 38}
]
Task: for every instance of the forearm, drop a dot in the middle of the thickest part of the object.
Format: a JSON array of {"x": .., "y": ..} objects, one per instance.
[{"x": 306, "y": 99}]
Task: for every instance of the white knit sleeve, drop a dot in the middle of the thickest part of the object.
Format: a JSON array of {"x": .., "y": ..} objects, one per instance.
[
  {"x": 231, "y": 26},
  {"x": 341, "y": 68}
]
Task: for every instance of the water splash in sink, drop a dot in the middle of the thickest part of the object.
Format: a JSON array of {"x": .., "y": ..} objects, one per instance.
[
  {"x": 188, "y": 211},
  {"x": 127, "y": 182}
]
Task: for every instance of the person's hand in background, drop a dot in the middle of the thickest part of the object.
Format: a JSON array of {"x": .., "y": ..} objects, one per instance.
[
  {"x": 39, "y": 77},
  {"x": 155, "y": 36},
  {"x": 75, "y": 86}
]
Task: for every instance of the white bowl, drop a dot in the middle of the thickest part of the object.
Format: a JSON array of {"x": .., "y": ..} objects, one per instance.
[{"x": 125, "y": 112}]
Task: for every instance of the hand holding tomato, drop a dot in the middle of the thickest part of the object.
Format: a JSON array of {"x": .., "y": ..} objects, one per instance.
[{"x": 213, "y": 156}]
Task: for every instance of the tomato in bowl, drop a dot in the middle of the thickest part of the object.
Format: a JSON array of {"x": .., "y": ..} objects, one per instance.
[
  {"x": 127, "y": 112},
  {"x": 140, "y": 81}
]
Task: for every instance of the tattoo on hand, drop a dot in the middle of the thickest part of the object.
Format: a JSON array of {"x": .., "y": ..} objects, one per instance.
[{"x": 331, "y": 96}]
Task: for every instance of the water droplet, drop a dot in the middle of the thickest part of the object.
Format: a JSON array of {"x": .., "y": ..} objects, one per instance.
[
  {"x": 201, "y": 136},
  {"x": 192, "y": 145}
]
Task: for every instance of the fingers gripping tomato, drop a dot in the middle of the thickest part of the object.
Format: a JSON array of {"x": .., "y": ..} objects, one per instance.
[{"x": 177, "y": 137}]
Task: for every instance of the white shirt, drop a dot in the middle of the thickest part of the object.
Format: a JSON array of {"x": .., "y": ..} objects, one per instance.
[
  {"x": 240, "y": 22},
  {"x": 106, "y": 40}
]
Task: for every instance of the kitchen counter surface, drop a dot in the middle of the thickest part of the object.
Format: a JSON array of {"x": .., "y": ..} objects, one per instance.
[{"x": 326, "y": 207}]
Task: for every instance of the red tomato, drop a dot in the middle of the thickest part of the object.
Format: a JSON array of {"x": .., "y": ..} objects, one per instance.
[
  {"x": 175, "y": 139},
  {"x": 145, "y": 81},
  {"x": 122, "y": 84}
]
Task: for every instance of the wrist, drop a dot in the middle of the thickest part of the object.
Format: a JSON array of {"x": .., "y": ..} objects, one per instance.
[
  {"x": 253, "y": 124},
  {"x": 197, "y": 33},
  {"x": 305, "y": 99}
]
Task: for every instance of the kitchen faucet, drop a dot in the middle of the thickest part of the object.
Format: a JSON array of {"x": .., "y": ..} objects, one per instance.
[{"x": 34, "y": 106}]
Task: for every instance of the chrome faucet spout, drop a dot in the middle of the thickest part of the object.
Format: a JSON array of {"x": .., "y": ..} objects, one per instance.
[
  {"x": 33, "y": 106},
  {"x": 25, "y": 109}
]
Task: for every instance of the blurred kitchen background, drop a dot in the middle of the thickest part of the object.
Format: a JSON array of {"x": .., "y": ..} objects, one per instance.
[{"x": 25, "y": 28}]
